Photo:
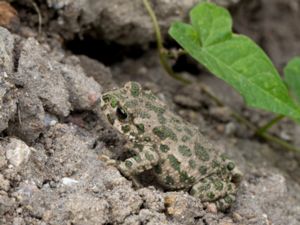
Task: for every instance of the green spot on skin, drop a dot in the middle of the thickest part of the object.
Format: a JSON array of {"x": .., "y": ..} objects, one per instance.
[
  {"x": 138, "y": 146},
  {"x": 215, "y": 164},
  {"x": 201, "y": 153},
  {"x": 230, "y": 166},
  {"x": 140, "y": 128},
  {"x": 113, "y": 102},
  {"x": 224, "y": 157},
  {"x": 185, "y": 178},
  {"x": 161, "y": 118},
  {"x": 137, "y": 158},
  {"x": 211, "y": 195},
  {"x": 131, "y": 103},
  {"x": 149, "y": 156},
  {"x": 169, "y": 180},
  {"x": 125, "y": 128},
  {"x": 222, "y": 171},
  {"x": 185, "y": 138},
  {"x": 149, "y": 95},
  {"x": 128, "y": 164},
  {"x": 228, "y": 199},
  {"x": 144, "y": 115},
  {"x": 135, "y": 89},
  {"x": 175, "y": 120},
  {"x": 174, "y": 162},
  {"x": 158, "y": 169},
  {"x": 154, "y": 146},
  {"x": 204, "y": 187},
  {"x": 106, "y": 98},
  {"x": 192, "y": 164},
  {"x": 203, "y": 170},
  {"x": 178, "y": 128},
  {"x": 154, "y": 108},
  {"x": 218, "y": 185},
  {"x": 184, "y": 150},
  {"x": 164, "y": 132},
  {"x": 164, "y": 148}
]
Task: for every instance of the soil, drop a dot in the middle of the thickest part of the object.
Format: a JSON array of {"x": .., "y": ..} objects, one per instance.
[{"x": 52, "y": 135}]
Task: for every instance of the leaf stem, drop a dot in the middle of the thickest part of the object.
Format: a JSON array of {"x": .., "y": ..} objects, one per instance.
[
  {"x": 160, "y": 47},
  {"x": 269, "y": 124},
  {"x": 40, "y": 18},
  {"x": 250, "y": 125},
  {"x": 280, "y": 142}
]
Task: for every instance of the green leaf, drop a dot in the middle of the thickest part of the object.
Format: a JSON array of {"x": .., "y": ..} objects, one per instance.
[
  {"x": 292, "y": 76},
  {"x": 234, "y": 58}
]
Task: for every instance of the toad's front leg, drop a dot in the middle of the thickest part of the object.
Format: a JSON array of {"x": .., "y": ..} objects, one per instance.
[{"x": 142, "y": 161}]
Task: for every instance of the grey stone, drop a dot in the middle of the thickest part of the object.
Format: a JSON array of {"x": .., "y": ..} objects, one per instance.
[
  {"x": 42, "y": 76},
  {"x": 6, "y": 51},
  {"x": 17, "y": 152}
]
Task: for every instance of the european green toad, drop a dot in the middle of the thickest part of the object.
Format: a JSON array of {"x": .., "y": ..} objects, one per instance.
[{"x": 161, "y": 141}]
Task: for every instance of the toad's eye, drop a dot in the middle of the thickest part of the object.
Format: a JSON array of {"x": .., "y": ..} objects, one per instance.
[{"x": 121, "y": 114}]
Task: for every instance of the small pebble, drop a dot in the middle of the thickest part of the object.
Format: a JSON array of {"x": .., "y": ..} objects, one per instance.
[{"x": 17, "y": 152}]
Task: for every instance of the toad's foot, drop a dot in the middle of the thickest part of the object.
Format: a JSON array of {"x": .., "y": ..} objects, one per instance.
[
  {"x": 213, "y": 189},
  {"x": 107, "y": 160}
]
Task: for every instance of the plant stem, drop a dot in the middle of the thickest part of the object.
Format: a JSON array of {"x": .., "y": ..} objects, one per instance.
[
  {"x": 160, "y": 47},
  {"x": 268, "y": 125},
  {"x": 264, "y": 135},
  {"x": 280, "y": 142},
  {"x": 36, "y": 8}
]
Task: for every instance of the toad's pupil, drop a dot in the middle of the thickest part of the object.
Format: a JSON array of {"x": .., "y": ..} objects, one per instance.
[{"x": 121, "y": 114}]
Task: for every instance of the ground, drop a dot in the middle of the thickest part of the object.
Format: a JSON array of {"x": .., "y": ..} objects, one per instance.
[{"x": 53, "y": 134}]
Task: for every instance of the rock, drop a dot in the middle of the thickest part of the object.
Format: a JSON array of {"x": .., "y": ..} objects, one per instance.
[
  {"x": 84, "y": 91},
  {"x": 8, "y": 16},
  {"x": 86, "y": 209},
  {"x": 69, "y": 181},
  {"x": 226, "y": 3},
  {"x": 183, "y": 207},
  {"x": 41, "y": 75},
  {"x": 4, "y": 184},
  {"x": 29, "y": 122},
  {"x": 17, "y": 152},
  {"x": 6, "y": 204},
  {"x": 98, "y": 71},
  {"x": 152, "y": 198},
  {"x": 123, "y": 201},
  {"x": 265, "y": 199},
  {"x": 148, "y": 217},
  {"x": 6, "y": 51},
  {"x": 8, "y": 101},
  {"x": 125, "y": 22}
]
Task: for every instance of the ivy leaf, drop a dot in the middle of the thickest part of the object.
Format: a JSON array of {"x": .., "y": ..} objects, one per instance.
[
  {"x": 292, "y": 76},
  {"x": 234, "y": 58}
]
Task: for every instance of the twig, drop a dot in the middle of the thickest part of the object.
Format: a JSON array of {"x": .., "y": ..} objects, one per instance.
[
  {"x": 269, "y": 124},
  {"x": 36, "y": 8}
]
